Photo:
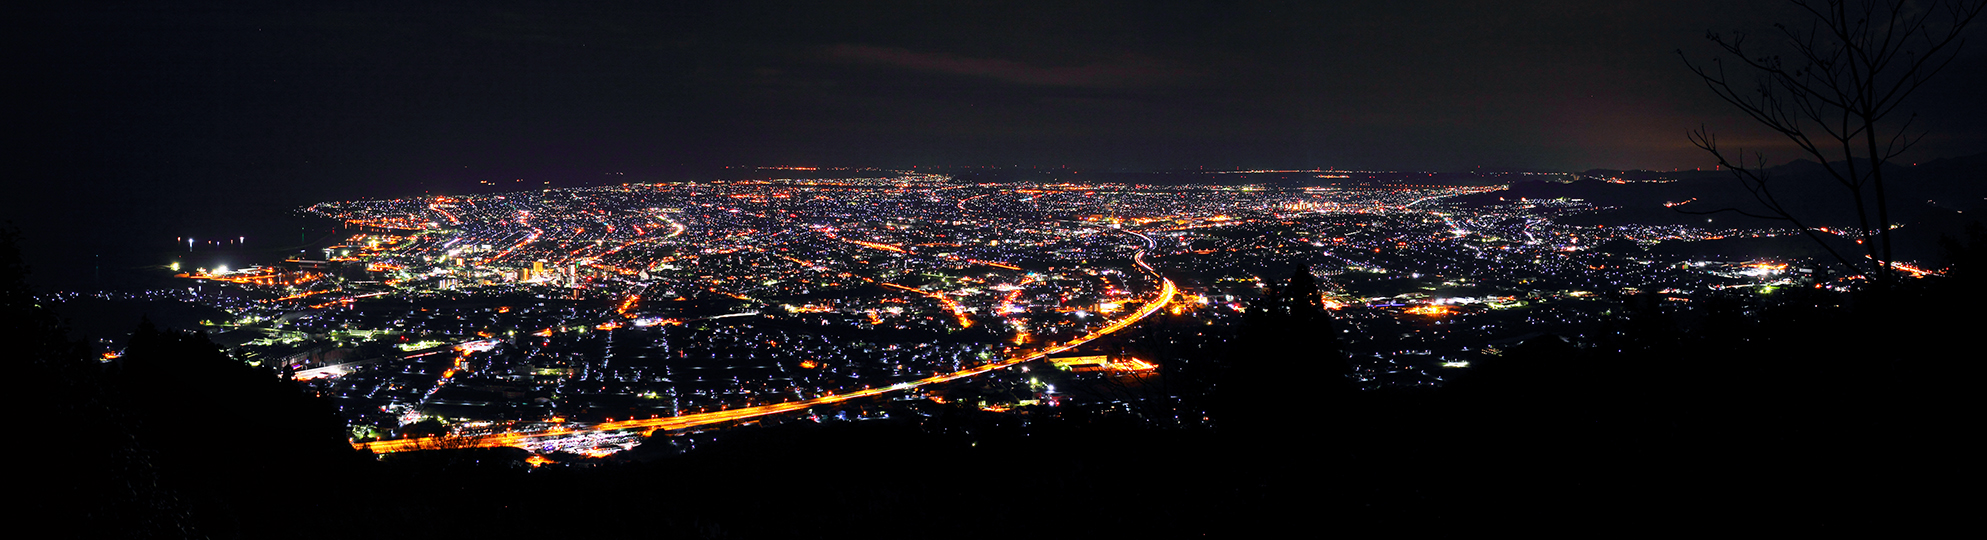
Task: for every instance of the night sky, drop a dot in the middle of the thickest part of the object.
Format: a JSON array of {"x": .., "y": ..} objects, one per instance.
[{"x": 162, "y": 120}]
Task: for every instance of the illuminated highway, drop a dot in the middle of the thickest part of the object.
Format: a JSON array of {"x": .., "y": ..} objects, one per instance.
[
  {"x": 854, "y": 271},
  {"x": 529, "y": 440},
  {"x": 786, "y": 294}
]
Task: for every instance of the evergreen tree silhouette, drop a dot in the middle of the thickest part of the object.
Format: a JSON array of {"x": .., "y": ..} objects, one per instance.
[{"x": 1289, "y": 359}]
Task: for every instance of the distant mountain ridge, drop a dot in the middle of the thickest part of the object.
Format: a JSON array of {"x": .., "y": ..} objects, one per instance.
[{"x": 1929, "y": 199}]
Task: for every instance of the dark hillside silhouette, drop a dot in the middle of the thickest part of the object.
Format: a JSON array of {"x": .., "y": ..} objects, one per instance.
[
  {"x": 104, "y": 480},
  {"x": 172, "y": 440},
  {"x": 1793, "y": 411}
]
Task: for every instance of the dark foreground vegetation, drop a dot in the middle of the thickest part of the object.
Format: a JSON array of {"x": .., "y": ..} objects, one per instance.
[{"x": 1807, "y": 411}]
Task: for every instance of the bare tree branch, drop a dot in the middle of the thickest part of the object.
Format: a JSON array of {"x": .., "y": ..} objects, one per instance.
[{"x": 1853, "y": 64}]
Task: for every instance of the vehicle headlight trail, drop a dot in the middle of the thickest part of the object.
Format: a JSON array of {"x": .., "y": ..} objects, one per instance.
[{"x": 531, "y": 440}]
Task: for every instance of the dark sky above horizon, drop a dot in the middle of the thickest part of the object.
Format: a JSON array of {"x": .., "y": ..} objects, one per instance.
[{"x": 206, "y": 109}]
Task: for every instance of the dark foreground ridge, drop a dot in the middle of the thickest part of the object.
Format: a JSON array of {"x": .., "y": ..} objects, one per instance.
[{"x": 1815, "y": 412}]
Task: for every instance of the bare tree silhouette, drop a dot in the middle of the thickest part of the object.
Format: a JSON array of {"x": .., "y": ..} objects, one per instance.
[{"x": 1847, "y": 73}]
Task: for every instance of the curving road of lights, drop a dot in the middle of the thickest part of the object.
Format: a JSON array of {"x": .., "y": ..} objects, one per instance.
[{"x": 529, "y": 440}]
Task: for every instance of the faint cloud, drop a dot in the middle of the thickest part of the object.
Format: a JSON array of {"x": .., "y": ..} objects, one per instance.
[{"x": 1129, "y": 73}]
